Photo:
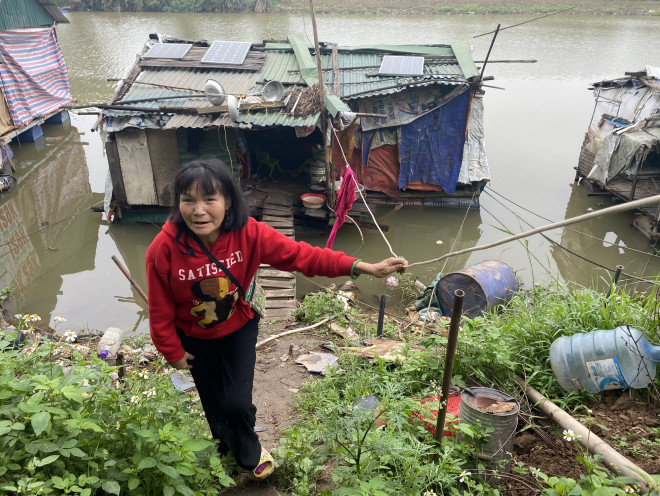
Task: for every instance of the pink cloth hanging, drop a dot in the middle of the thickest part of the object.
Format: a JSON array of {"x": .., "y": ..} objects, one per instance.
[{"x": 345, "y": 200}]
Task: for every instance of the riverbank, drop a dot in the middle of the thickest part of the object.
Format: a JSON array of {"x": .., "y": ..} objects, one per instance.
[{"x": 457, "y": 7}]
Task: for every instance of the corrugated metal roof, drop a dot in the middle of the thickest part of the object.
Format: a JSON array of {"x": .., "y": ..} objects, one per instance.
[
  {"x": 54, "y": 11},
  {"x": 18, "y": 14},
  {"x": 358, "y": 73},
  {"x": 165, "y": 83},
  {"x": 358, "y": 70}
]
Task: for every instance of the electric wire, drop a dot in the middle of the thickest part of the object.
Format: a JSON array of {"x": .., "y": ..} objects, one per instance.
[
  {"x": 507, "y": 229},
  {"x": 580, "y": 218},
  {"x": 489, "y": 189},
  {"x": 50, "y": 225},
  {"x": 582, "y": 257}
]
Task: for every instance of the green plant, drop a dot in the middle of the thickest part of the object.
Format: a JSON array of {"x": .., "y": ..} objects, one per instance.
[
  {"x": 300, "y": 462},
  {"x": 363, "y": 444},
  {"x": 5, "y": 293},
  {"x": 323, "y": 304},
  {"x": 72, "y": 427},
  {"x": 597, "y": 481}
]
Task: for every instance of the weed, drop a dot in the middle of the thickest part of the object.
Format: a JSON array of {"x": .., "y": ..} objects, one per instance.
[
  {"x": 138, "y": 341},
  {"x": 72, "y": 427},
  {"x": 5, "y": 293},
  {"x": 323, "y": 304},
  {"x": 596, "y": 481}
]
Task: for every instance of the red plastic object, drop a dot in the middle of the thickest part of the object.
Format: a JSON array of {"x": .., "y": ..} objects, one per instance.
[{"x": 429, "y": 417}]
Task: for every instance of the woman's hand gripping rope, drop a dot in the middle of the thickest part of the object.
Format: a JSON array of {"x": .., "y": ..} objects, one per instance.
[{"x": 383, "y": 268}]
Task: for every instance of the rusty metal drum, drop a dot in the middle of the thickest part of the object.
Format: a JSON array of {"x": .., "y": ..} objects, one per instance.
[{"x": 486, "y": 285}]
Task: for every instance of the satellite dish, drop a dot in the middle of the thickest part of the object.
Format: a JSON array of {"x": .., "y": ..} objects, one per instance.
[
  {"x": 214, "y": 92},
  {"x": 232, "y": 106},
  {"x": 273, "y": 91}
]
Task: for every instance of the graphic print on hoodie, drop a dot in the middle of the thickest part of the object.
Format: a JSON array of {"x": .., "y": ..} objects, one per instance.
[{"x": 217, "y": 304}]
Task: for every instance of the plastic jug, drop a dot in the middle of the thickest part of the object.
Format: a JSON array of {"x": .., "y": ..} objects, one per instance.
[{"x": 605, "y": 359}]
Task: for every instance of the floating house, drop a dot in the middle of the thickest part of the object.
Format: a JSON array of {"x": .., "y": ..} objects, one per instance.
[
  {"x": 34, "y": 83},
  {"x": 620, "y": 155},
  {"x": 407, "y": 119}
]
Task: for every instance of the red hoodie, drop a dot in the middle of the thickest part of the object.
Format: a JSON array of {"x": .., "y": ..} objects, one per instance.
[{"x": 187, "y": 291}]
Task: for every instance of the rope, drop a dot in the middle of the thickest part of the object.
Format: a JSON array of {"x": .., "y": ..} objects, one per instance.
[
  {"x": 568, "y": 228},
  {"x": 50, "y": 225},
  {"x": 362, "y": 196},
  {"x": 569, "y": 250},
  {"x": 609, "y": 210},
  {"x": 435, "y": 286}
]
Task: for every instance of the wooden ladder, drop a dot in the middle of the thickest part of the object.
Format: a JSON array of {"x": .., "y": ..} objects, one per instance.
[{"x": 280, "y": 286}]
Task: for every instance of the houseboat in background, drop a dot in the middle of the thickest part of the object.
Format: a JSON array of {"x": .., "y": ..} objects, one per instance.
[
  {"x": 620, "y": 155},
  {"x": 407, "y": 119},
  {"x": 34, "y": 83}
]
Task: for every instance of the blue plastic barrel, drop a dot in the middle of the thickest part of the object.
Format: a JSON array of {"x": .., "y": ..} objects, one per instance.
[
  {"x": 604, "y": 359},
  {"x": 486, "y": 285}
]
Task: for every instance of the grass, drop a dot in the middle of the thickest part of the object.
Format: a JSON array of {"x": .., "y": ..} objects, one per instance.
[
  {"x": 335, "y": 438},
  {"x": 71, "y": 426}
]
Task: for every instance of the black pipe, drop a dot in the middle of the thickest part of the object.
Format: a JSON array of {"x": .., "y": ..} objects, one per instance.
[
  {"x": 452, "y": 340},
  {"x": 381, "y": 315}
]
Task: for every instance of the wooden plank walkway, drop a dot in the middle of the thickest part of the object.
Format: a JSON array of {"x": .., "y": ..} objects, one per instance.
[{"x": 280, "y": 286}]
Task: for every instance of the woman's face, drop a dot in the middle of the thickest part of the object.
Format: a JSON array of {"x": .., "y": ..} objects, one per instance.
[{"x": 202, "y": 213}]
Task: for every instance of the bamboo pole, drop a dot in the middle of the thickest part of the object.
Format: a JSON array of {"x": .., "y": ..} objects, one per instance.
[
  {"x": 293, "y": 331},
  {"x": 609, "y": 210},
  {"x": 125, "y": 271},
  {"x": 492, "y": 42},
  {"x": 612, "y": 458}
]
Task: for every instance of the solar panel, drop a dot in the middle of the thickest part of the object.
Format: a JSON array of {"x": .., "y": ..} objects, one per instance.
[
  {"x": 396, "y": 65},
  {"x": 227, "y": 52},
  {"x": 168, "y": 51}
]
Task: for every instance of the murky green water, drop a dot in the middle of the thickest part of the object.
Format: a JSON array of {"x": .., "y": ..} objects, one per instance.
[{"x": 57, "y": 253}]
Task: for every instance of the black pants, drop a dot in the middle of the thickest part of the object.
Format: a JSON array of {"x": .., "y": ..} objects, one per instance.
[{"x": 223, "y": 371}]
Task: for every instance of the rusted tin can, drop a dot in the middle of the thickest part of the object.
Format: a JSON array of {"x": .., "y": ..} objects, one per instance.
[
  {"x": 486, "y": 285},
  {"x": 495, "y": 410}
]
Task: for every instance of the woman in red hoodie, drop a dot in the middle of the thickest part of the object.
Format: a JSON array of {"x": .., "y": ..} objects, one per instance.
[{"x": 207, "y": 252}]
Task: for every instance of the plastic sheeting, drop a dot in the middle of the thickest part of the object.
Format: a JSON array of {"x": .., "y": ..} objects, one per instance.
[
  {"x": 623, "y": 151},
  {"x": 431, "y": 147},
  {"x": 475, "y": 164},
  {"x": 34, "y": 78}
]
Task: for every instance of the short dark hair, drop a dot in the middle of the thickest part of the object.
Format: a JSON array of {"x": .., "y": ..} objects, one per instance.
[{"x": 211, "y": 175}]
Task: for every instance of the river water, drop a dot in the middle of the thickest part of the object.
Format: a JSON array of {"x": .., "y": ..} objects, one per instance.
[{"x": 536, "y": 117}]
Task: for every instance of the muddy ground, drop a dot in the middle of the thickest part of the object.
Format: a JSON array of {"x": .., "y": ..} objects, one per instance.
[{"x": 453, "y": 7}]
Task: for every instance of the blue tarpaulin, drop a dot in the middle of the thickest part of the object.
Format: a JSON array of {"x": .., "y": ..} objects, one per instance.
[{"x": 431, "y": 147}]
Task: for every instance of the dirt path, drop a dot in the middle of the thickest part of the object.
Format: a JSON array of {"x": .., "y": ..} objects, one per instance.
[
  {"x": 277, "y": 380},
  {"x": 416, "y": 7}
]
